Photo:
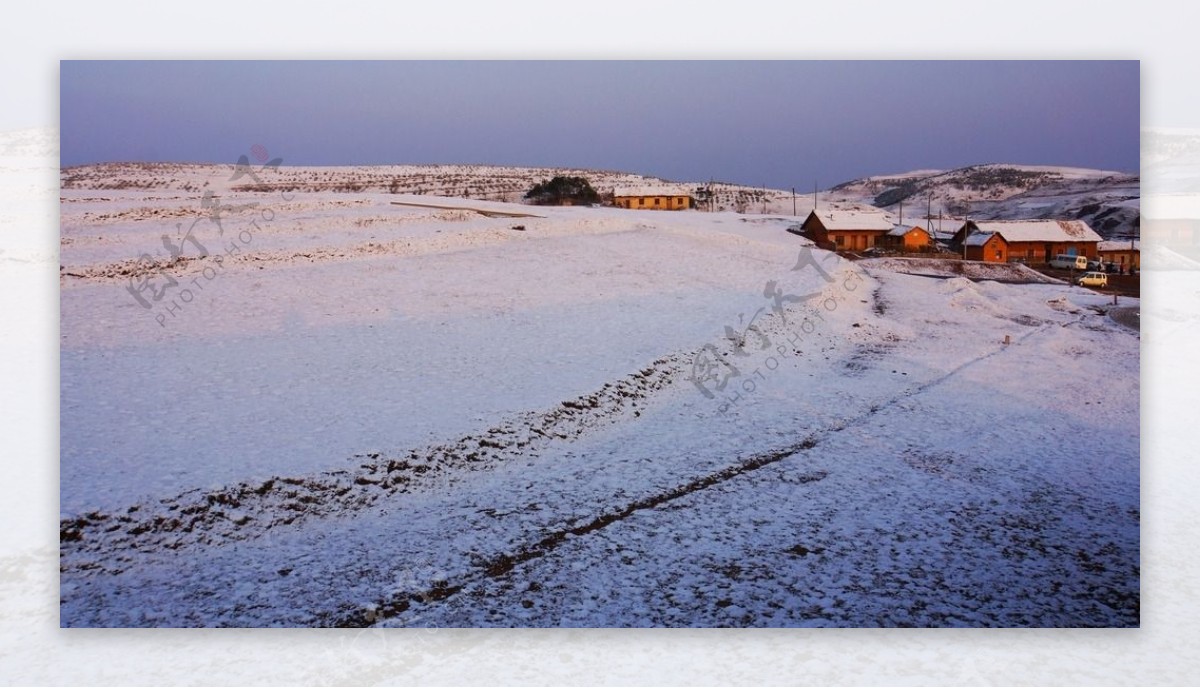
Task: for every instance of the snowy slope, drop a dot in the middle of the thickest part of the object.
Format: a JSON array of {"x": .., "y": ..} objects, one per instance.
[
  {"x": 479, "y": 318},
  {"x": 386, "y": 415}
]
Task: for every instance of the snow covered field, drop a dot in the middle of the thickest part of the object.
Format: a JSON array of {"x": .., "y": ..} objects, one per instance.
[{"x": 372, "y": 414}]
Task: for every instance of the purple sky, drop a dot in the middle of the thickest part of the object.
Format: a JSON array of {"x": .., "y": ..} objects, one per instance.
[{"x": 778, "y": 124}]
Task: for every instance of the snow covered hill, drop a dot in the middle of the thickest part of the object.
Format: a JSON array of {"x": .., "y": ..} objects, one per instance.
[
  {"x": 484, "y": 182},
  {"x": 1108, "y": 201},
  {"x": 327, "y": 409}
]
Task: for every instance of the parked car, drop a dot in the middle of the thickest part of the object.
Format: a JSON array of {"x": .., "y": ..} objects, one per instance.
[
  {"x": 1096, "y": 264},
  {"x": 1066, "y": 262},
  {"x": 1093, "y": 279}
]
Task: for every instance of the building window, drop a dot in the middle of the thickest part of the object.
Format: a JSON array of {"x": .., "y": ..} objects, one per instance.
[
  {"x": 839, "y": 239},
  {"x": 657, "y": 201}
]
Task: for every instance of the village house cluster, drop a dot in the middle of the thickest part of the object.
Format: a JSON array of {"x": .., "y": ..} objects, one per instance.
[
  {"x": 858, "y": 229},
  {"x": 1035, "y": 242}
]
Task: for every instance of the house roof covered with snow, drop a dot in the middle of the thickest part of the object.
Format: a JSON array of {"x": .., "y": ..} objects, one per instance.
[
  {"x": 1119, "y": 245},
  {"x": 979, "y": 238},
  {"x": 901, "y": 230},
  {"x": 1038, "y": 230},
  {"x": 644, "y": 191},
  {"x": 857, "y": 218}
]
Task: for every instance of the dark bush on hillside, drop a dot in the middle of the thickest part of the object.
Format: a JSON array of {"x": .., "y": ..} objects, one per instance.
[{"x": 563, "y": 190}]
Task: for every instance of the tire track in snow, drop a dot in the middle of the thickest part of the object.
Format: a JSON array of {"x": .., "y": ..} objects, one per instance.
[{"x": 504, "y": 563}]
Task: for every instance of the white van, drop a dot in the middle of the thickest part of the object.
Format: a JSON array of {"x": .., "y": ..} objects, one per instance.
[{"x": 1066, "y": 262}]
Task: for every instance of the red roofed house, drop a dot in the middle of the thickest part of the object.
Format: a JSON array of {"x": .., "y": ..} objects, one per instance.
[
  {"x": 846, "y": 230},
  {"x": 1025, "y": 241}
]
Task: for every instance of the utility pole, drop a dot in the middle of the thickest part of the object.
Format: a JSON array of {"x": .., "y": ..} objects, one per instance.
[
  {"x": 793, "y": 201},
  {"x": 1135, "y": 253},
  {"x": 901, "y": 212},
  {"x": 814, "y": 195}
]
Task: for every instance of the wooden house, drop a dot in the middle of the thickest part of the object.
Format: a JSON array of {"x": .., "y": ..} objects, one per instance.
[
  {"x": 846, "y": 229},
  {"x": 653, "y": 198},
  {"x": 1026, "y": 241},
  {"x": 989, "y": 247},
  {"x": 1125, "y": 254},
  {"x": 907, "y": 238}
]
